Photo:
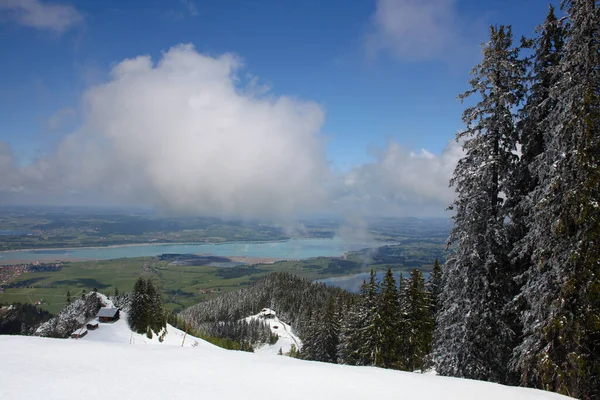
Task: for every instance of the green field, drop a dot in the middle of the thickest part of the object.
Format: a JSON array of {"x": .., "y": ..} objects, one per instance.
[{"x": 182, "y": 285}]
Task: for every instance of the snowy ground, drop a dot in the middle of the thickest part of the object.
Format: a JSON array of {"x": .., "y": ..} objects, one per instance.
[
  {"x": 112, "y": 363},
  {"x": 52, "y": 369},
  {"x": 119, "y": 332},
  {"x": 283, "y": 330}
]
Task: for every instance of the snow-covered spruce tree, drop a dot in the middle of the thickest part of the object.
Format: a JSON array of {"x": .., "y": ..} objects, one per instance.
[
  {"x": 474, "y": 339},
  {"x": 137, "y": 317},
  {"x": 435, "y": 286},
  {"x": 156, "y": 315},
  {"x": 353, "y": 323},
  {"x": 372, "y": 335},
  {"x": 324, "y": 335},
  {"x": 562, "y": 347},
  {"x": 535, "y": 132},
  {"x": 146, "y": 314},
  {"x": 389, "y": 355},
  {"x": 418, "y": 320},
  {"x": 359, "y": 336}
]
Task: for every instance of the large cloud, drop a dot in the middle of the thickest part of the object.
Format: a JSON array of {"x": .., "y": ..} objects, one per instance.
[
  {"x": 184, "y": 134},
  {"x": 187, "y": 135}
]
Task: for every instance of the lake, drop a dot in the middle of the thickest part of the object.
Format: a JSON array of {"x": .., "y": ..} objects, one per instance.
[
  {"x": 293, "y": 249},
  {"x": 352, "y": 283},
  {"x": 4, "y": 232}
]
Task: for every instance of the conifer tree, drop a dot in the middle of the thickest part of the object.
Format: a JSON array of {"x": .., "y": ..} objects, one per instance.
[
  {"x": 372, "y": 334},
  {"x": 473, "y": 336},
  {"x": 535, "y": 131},
  {"x": 358, "y": 344},
  {"x": 435, "y": 286},
  {"x": 389, "y": 314},
  {"x": 561, "y": 350},
  {"x": 418, "y": 320},
  {"x": 352, "y": 326},
  {"x": 146, "y": 314}
]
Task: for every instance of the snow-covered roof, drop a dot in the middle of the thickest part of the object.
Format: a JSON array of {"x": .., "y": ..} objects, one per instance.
[
  {"x": 93, "y": 322},
  {"x": 107, "y": 312},
  {"x": 79, "y": 331}
]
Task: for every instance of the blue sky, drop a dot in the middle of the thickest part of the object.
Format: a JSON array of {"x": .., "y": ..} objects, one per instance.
[{"x": 385, "y": 71}]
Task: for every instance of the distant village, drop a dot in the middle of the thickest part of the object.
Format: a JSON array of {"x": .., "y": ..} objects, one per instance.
[{"x": 10, "y": 272}]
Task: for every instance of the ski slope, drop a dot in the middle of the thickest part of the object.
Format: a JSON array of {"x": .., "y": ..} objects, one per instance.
[
  {"x": 286, "y": 339},
  {"x": 53, "y": 369}
]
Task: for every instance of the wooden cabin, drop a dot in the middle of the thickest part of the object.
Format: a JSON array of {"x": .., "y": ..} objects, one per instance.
[
  {"x": 92, "y": 325},
  {"x": 107, "y": 314}
]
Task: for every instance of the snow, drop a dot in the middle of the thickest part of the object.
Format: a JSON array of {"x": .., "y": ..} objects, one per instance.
[
  {"x": 287, "y": 338},
  {"x": 119, "y": 332},
  {"x": 52, "y": 369}
]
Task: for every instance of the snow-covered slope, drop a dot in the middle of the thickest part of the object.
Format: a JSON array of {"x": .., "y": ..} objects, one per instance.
[
  {"x": 287, "y": 338},
  {"x": 119, "y": 332},
  {"x": 52, "y": 369}
]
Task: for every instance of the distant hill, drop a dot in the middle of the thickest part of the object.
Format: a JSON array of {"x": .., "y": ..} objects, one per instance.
[{"x": 294, "y": 299}]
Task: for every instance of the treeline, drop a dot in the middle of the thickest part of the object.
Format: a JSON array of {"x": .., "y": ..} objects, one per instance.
[
  {"x": 291, "y": 297},
  {"x": 521, "y": 293},
  {"x": 232, "y": 335},
  {"x": 389, "y": 325}
]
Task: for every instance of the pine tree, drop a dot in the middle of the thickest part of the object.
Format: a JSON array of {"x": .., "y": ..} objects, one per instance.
[
  {"x": 138, "y": 311},
  {"x": 372, "y": 334},
  {"x": 322, "y": 338},
  {"x": 68, "y": 297},
  {"x": 358, "y": 342},
  {"x": 473, "y": 335},
  {"x": 535, "y": 129},
  {"x": 435, "y": 286},
  {"x": 146, "y": 314},
  {"x": 563, "y": 288},
  {"x": 389, "y": 312},
  {"x": 156, "y": 315},
  {"x": 353, "y": 324},
  {"x": 419, "y": 322}
]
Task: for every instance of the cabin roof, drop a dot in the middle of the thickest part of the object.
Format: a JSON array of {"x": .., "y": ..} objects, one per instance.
[{"x": 107, "y": 312}]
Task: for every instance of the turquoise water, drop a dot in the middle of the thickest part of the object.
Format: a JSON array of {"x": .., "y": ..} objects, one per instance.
[{"x": 293, "y": 249}]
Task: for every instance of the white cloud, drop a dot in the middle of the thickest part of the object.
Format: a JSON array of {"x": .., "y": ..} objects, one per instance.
[
  {"x": 416, "y": 30},
  {"x": 401, "y": 182},
  {"x": 40, "y": 15},
  {"x": 183, "y": 134},
  {"x": 194, "y": 134}
]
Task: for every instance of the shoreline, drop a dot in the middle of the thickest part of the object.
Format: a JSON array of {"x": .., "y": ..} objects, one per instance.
[
  {"x": 112, "y": 246},
  {"x": 50, "y": 255}
]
